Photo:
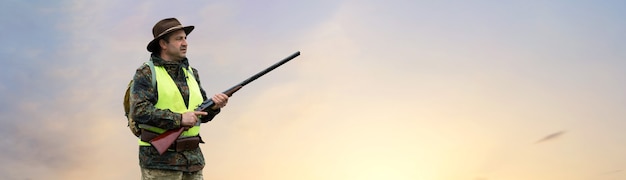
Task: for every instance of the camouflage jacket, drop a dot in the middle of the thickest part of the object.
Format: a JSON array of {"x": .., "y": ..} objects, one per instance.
[{"x": 144, "y": 112}]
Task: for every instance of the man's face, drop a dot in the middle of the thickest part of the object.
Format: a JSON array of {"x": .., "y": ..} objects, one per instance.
[{"x": 176, "y": 49}]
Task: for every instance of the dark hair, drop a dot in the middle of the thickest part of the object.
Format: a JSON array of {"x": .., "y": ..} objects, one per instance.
[{"x": 166, "y": 38}]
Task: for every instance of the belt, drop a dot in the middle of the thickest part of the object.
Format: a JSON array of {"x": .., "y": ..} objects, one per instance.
[{"x": 181, "y": 144}]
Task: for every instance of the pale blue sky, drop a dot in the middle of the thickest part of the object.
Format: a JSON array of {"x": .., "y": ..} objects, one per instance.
[{"x": 433, "y": 90}]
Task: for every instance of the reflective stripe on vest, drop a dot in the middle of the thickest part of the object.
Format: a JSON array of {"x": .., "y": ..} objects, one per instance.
[{"x": 170, "y": 98}]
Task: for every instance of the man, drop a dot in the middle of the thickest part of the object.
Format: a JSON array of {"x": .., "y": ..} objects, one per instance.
[{"x": 169, "y": 104}]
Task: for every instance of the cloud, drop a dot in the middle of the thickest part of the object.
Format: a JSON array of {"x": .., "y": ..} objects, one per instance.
[{"x": 63, "y": 96}]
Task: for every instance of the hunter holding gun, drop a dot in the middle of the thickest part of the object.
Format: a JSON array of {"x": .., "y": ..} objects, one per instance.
[{"x": 164, "y": 95}]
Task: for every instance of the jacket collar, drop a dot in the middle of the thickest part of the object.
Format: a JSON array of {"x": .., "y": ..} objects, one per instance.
[{"x": 158, "y": 61}]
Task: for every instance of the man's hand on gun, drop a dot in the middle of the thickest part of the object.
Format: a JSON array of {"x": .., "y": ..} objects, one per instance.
[
  {"x": 191, "y": 118},
  {"x": 220, "y": 101}
]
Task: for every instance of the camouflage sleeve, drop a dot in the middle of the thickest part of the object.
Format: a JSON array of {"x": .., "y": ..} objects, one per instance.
[
  {"x": 212, "y": 113},
  {"x": 144, "y": 97}
]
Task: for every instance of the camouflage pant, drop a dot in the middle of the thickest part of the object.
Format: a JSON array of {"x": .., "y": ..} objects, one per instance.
[{"x": 157, "y": 174}]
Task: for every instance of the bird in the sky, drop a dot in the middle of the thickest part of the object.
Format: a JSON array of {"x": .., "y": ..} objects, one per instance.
[{"x": 551, "y": 137}]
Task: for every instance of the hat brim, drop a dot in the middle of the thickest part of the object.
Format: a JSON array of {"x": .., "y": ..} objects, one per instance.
[{"x": 153, "y": 45}]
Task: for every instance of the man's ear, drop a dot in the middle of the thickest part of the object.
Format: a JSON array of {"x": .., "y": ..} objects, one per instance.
[{"x": 162, "y": 43}]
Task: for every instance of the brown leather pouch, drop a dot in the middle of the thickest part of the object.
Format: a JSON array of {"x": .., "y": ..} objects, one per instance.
[
  {"x": 187, "y": 143},
  {"x": 146, "y": 135}
]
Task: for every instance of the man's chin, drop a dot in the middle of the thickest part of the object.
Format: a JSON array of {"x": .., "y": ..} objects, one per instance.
[{"x": 180, "y": 57}]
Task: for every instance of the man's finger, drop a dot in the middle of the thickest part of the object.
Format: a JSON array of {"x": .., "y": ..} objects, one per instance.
[
  {"x": 218, "y": 99},
  {"x": 200, "y": 113},
  {"x": 221, "y": 96}
]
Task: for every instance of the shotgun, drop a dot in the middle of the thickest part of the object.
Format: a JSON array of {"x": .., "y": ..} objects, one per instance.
[{"x": 165, "y": 140}]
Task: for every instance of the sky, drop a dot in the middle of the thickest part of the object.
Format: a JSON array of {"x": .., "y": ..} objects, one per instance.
[{"x": 395, "y": 89}]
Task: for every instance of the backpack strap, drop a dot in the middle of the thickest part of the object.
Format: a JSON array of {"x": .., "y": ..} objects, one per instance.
[
  {"x": 151, "y": 64},
  {"x": 134, "y": 127},
  {"x": 131, "y": 87}
]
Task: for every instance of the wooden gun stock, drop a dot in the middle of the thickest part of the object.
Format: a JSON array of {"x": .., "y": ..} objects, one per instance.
[{"x": 165, "y": 140}]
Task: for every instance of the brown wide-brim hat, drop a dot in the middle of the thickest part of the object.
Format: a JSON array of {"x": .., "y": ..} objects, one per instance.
[{"x": 164, "y": 27}]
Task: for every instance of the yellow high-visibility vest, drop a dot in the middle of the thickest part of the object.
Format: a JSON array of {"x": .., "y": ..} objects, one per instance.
[{"x": 170, "y": 98}]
